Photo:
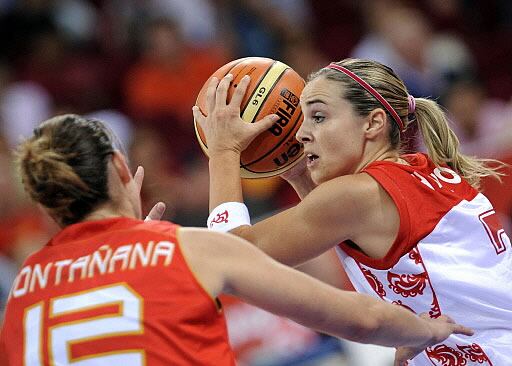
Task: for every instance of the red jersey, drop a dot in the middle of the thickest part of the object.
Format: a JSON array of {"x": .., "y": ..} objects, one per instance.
[
  {"x": 113, "y": 292},
  {"x": 451, "y": 256}
]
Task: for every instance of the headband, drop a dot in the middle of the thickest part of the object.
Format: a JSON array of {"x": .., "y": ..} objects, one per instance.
[{"x": 372, "y": 91}]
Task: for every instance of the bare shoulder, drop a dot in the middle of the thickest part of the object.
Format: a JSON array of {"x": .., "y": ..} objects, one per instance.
[
  {"x": 355, "y": 192},
  {"x": 213, "y": 257},
  {"x": 349, "y": 206}
]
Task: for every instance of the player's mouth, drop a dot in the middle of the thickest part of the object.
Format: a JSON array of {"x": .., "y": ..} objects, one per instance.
[{"x": 311, "y": 159}]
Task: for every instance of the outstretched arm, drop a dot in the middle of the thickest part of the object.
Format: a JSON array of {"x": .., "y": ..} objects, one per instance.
[{"x": 223, "y": 262}]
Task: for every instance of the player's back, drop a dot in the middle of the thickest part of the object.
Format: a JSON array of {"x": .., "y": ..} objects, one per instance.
[{"x": 114, "y": 291}]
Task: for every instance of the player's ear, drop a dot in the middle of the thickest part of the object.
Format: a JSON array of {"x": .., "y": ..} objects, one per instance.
[
  {"x": 121, "y": 167},
  {"x": 375, "y": 123}
]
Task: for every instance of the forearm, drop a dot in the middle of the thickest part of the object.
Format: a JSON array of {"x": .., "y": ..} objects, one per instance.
[
  {"x": 393, "y": 325},
  {"x": 225, "y": 181},
  {"x": 343, "y": 314},
  {"x": 363, "y": 319}
]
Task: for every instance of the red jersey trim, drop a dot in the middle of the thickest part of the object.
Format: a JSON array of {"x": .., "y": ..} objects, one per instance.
[{"x": 214, "y": 300}]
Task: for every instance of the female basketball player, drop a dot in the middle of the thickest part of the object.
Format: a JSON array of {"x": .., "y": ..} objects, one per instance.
[
  {"x": 112, "y": 289},
  {"x": 412, "y": 230}
]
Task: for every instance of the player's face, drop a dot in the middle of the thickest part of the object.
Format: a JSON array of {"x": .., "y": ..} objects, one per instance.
[{"x": 332, "y": 132}]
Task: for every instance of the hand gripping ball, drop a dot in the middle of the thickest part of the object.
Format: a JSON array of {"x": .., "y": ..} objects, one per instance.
[{"x": 274, "y": 88}]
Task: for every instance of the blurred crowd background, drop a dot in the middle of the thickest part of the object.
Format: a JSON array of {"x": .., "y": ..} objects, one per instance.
[{"x": 139, "y": 64}]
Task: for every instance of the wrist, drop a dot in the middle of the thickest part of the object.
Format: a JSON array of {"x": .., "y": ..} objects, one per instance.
[
  {"x": 224, "y": 153},
  {"x": 228, "y": 216},
  {"x": 225, "y": 163},
  {"x": 429, "y": 335}
]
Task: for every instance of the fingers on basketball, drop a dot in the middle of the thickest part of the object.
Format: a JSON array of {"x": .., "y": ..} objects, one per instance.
[
  {"x": 240, "y": 90},
  {"x": 211, "y": 94},
  {"x": 199, "y": 117},
  {"x": 258, "y": 87},
  {"x": 221, "y": 94}
]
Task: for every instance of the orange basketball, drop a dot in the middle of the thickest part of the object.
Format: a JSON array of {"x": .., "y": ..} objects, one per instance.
[{"x": 274, "y": 88}]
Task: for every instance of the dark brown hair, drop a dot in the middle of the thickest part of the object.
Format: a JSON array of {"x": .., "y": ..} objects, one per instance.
[
  {"x": 441, "y": 142},
  {"x": 63, "y": 166}
]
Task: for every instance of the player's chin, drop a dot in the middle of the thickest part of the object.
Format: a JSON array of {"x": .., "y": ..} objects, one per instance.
[{"x": 316, "y": 175}]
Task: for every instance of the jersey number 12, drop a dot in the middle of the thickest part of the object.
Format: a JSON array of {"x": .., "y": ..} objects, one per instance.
[{"x": 61, "y": 337}]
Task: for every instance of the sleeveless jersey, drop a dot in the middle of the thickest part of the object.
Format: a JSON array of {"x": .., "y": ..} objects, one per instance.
[
  {"x": 113, "y": 292},
  {"x": 450, "y": 256}
]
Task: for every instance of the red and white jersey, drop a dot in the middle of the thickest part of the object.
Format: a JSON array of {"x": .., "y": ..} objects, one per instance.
[
  {"x": 113, "y": 292},
  {"x": 451, "y": 257}
]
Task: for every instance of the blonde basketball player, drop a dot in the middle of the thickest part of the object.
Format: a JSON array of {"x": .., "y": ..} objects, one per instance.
[{"x": 412, "y": 230}]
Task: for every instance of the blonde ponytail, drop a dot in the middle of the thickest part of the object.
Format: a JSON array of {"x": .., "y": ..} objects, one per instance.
[{"x": 443, "y": 145}]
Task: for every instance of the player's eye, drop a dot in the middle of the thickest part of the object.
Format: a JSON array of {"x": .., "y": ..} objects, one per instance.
[{"x": 317, "y": 117}]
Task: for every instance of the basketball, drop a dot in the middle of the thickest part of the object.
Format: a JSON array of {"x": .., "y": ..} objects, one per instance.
[{"x": 274, "y": 88}]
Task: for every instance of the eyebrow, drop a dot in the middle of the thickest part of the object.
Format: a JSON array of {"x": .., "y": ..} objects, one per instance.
[{"x": 313, "y": 101}]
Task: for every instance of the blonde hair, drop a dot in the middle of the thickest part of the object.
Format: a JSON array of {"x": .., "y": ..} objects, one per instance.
[{"x": 441, "y": 142}]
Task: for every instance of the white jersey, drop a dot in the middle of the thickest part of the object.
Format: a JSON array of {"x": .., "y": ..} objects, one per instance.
[{"x": 451, "y": 257}]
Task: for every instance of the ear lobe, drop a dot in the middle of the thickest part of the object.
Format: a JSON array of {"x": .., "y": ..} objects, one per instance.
[
  {"x": 376, "y": 122},
  {"x": 121, "y": 167}
]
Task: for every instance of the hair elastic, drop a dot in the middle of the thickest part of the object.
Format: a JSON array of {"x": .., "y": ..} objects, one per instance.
[
  {"x": 411, "y": 104},
  {"x": 372, "y": 91}
]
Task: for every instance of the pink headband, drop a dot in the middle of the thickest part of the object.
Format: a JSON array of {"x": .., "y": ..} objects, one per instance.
[{"x": 372, "y": 91}]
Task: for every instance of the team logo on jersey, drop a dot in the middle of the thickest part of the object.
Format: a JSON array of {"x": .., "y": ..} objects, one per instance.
[{"x": 444, "y": 355}]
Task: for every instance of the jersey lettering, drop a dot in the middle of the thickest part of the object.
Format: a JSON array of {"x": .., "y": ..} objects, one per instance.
[
  {"x": 496, "y": 233},
  {"x": 437, "y": 176},
  {"x": 126, "y": 257}
]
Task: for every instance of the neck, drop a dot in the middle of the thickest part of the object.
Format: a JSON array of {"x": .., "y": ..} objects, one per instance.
[
  {"x": 108, "y": 212},
  {"x": 386, "y": 154}
]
